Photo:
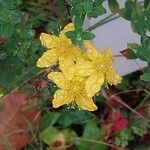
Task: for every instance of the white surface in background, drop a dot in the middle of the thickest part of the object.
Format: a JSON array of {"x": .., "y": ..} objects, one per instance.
[{"x": 116, "y": 34}]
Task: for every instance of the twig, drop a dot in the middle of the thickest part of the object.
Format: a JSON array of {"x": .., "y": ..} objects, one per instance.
[
  {"x": 98, "y": 142},
  {"x": 123, "y": 103}
]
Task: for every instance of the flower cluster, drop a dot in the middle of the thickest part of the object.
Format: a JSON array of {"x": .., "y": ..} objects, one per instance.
[{"x": 82, "y": 71}]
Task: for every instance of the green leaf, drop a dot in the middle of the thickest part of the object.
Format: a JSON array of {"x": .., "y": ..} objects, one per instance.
[
  {"x": 126, "y": 12},
  {"x": 49, "y": 119},
  {"x": 88, "y": 6},
  {"x": 8, "y": 3},
  {"x": 48, "y": 135},
  {"x": 69, "y": 117},
  {"x": 91, "y": 131},
  {"x": 140, "y": 51},
  {"x": 98, "y": 10},
  {"x": 6, "y": 30},
  {"x": 114, "y": 6},
  {"x": 78, "y": 21},
  {"x": 88, "y": 35},
  {"x": 145, "y": 77},
  {"x": 146, "y": 3}
]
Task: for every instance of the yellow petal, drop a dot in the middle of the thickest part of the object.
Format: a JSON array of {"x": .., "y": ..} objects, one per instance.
[
  {"x": 92, "y": 52},
  {"x": 107, "y": 57},
  {"x": 62, "y": 97},
  {"x": 93, "y": 84},
  {"x": 49, "y": 41},
  {"x": 84, "y": 68},
  {"x": 69, "y": 27},
  {"x": 85, "y": 103},
  {"x": 59, "y": 79},
  {"x": 67, "y": 66},
  {"x": 113, "y": 77},
  {"x": 49, "y": 58}
]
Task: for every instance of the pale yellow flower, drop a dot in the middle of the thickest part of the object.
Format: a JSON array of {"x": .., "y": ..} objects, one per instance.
[
  {"x": 97, "y": 68},
  {"x": 71, "y": 92},
  {"x": 59, "y": 49}
]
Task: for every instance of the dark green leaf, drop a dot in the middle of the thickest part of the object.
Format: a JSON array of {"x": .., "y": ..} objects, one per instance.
[
  {"x": 91, "y": 131},
  {"x": 145, "y": 77},
  {"x": 146, "y": 3},
  {"x": 49, "y": 119},
  {"x": 88, "y": 35},
  {"x": 6, "y": 30},
  {"x": 88, "y": 6},
  {"x": 69, "y": 117},
  {"x": 114, "y": 6},
  {"x": 126, "y": 12}
]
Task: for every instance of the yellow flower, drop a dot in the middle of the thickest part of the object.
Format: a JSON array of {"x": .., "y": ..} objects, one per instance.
[
  {"x": 71, "y": 92},
  {"x": 97, "y": 68},
  {"x": 59, "y": 49}
]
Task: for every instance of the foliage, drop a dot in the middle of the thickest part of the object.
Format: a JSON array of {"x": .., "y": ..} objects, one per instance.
[
  {"x": 79, "y": 10},
  {"x": 137, "y": 128}
]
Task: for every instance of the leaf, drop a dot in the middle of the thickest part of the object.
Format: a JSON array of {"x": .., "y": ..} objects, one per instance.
[
  {"x": 146, "y": 3},
  {"x": 6, "y": 30},
  {"x": 88, "y": 35},
  {"x": 13, "y": 125},
  {"x": 145, "y": 77},
  {"x": 69, "y": 117},
  {"x": 49, "y": 119},
  {"x": 48, "y": 134},
  {"x": 114, "y": 6},
  {"x": 126, "y": 12},
  {"x": 9, "y": 3},
  {"x": 88, "y": 6},
  {"x": 52, "y": 136},
  {"x": 92, "y": 131}
]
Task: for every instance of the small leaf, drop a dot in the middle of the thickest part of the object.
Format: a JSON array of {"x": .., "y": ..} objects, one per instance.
[
  {"x": 88, "y": 5},
  {"x": 145, "y": 77},
  {"x": 88, "y": 35}
]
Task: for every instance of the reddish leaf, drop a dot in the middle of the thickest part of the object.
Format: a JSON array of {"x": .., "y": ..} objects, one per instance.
[
  {"x": 2, "y": 41},
  {"x": 13, "y": 125},
  {"x": 125, "y": 53}
]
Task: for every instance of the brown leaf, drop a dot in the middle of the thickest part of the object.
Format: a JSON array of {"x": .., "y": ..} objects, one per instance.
[{"x": 13, "y": 125}]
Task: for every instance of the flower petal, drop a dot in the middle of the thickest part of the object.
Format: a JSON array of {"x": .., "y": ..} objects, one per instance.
[
  {"x": 107, "y": 57},
  {"x": 93, "y": 84},
  {"x": 85, "y": 103},
  {"x": 49, "y": 41},
  {"x": 84, "y": 68},
  {"x": 49, "y": 58},
  {"x": 59, "y": 79},
  {"x": 68, "y": 27},
  {"x": 67, "y": 66},
  {"x": 112, "y": 76},
  {"x": 92, "y": 52},
  {"x": 62, "y": 97}
]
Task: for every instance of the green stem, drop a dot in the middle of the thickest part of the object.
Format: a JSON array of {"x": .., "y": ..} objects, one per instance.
[{"x": 103, "y": 21}]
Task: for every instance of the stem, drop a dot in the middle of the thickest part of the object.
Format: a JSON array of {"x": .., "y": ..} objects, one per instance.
[
  {"x": 103, "y": 21},
  {"x": 98, "y": 142},
  {"x": 114, "y": 96}
]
